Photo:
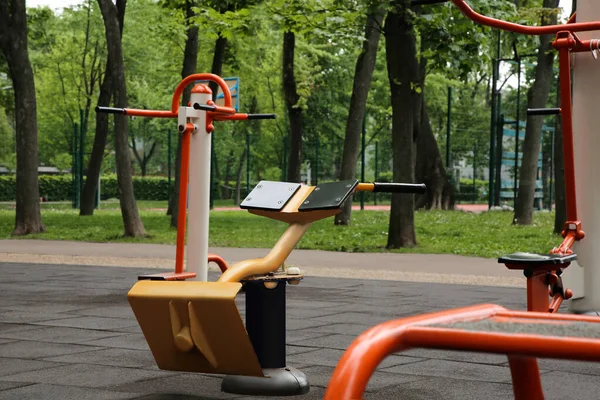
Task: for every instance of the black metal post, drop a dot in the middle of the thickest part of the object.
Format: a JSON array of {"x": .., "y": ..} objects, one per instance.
[
  {"x": 362, "y": 163},
  {"x": 212, "y": 169},
  {"x": 376, "y": 170},
  {"x": 265, "y": 322},
  {"x": 493, "y": 122},
  {"x": 517, "y": 132}
]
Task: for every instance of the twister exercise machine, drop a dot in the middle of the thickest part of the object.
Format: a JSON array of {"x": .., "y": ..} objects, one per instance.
[
  {"x": 194, "y": 325},
  {"x": 522, "y": 336}
]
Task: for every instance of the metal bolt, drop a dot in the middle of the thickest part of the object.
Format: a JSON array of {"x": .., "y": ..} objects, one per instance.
[
  {"x": 291, "y": 189},
  {"x": 348, "y": 186},
  {"x": 248, "y": 198},
  {"x": 306, "y": 202},
  {"x": 258, "y": 186},
  {"x": 338, "y": 199},
  {"x": 317, "y": 188},
  {"x": 181, "y": 127},
  {"x": 280, "y": 202}
]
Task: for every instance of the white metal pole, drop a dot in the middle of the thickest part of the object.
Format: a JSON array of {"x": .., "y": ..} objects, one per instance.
[
  {"x": 199, "y": 189},
  {"x": 583, "y": 277}
]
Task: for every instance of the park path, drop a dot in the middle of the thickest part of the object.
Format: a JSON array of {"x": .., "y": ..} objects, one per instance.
[{"x": 436, "y": 268}]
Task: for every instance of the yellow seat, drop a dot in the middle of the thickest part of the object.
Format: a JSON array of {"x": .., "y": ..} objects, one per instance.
[{"x": 194, "y": 326}]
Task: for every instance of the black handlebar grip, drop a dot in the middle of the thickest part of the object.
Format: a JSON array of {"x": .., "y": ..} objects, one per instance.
[
  {"x": 110, "y": 110},
  {"x": 204, "y": 107},
  {"x": 426, "y": 2},
  {"x": 543, "y": 111},
  {"x": 418, "y": 188},
  {"x": 262, "y": 116}
]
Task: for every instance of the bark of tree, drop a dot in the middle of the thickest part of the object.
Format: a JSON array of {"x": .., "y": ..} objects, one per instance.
[
  {"x": 90, "y": 187},
  {"x": 13, "y": 42},
  {"x": 430, "y": 169},
  {"x": 190, "y": 59},
  {"x": 403, "y": 74},
  {"x": 294, "y": 111},
  {"x": 238, "y": 180},
  {"x": 537, "y": 98},
  {"x": 132, "y": 222},
  {"x": 358, "y": 103}
]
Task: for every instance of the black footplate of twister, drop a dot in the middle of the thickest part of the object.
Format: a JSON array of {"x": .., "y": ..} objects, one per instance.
[
  {"x": 328, "y": 196},
  {"x": 537, "y": 259},
  {"x": 270, "y": 196}
]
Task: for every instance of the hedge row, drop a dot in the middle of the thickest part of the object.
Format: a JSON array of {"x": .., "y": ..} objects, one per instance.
[{"x": 60, "y": 187}]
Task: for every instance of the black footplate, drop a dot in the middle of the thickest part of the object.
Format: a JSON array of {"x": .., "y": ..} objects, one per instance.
[
  {"x": 537, "y": 259},
  {"x": 328, "y": 196},
  {"x": 270, "y": 196}
]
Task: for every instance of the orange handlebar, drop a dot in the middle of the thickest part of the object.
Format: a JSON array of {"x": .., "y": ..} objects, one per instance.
[{"x": 523, "y": 29}]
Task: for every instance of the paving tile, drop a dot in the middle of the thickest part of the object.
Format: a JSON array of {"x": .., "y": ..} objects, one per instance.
[
  {"x": 10, "y": 385},
  {"x": 116, "y": 357},
  {"x": 179, "y": 386},
  {"x": 134, "y": 341},
  {"x": 50, "y": 392},
  {"x": 292, "y": 324},
  {"x": 454, "y": 369},
  {"x": 28, "y": 317},
  {"x": 32, "y": 349},
  {"x": 348, "y": 329},
  {"x": 560, "y": 385},
  {"x": 333, "y": 341},
  {"x": 44, "y": 308},
  {"x": 56, "y": 334},
  {"x": 304, "y": 334},
  {"x": 9, "y": 366},
  {"x": 352, "y": 318},
  {"x": 320, "y": 375},
  {"x": 427, "y": 388},
  {"x": 100, "y": 323},
  {"x": 463, "y": 356},
  {"x": 576, "y": 367},
  {"x": 124, "y": 312},
  {"x": 330, "y": 358},
  {"x": 86, "y": 375}
]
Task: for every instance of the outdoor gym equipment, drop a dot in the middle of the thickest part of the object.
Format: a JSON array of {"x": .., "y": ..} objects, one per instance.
[
  {"x": 522, "y": 336},
  {"x": 195, "y": 325},
  {"x": 544, "y": 272}
]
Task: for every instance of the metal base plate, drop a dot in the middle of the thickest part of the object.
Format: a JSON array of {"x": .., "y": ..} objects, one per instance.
[
  {"x": 286, "y": 381},
  {"x": 270, "y": 196}
]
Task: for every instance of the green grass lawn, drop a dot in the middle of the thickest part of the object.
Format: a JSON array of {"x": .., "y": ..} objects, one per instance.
[{"x": 452, "y": 232}]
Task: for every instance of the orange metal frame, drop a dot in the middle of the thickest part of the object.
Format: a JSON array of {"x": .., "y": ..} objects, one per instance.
[{"x": 356, "y": 366}]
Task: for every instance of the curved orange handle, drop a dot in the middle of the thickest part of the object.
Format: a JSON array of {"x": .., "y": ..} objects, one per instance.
[
  {"x": 200, "y": 77},
  {"x": 518, "y": 28}
]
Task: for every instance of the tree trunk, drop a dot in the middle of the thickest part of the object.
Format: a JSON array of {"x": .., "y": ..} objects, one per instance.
[
  {"x": 238, "y": 180},
  {"x": 537, "y": 98},
  {"x": 358, "y": 103},
  {"x": 403, "y": 74},
  {"x": 294, "y": 111},
  {"x": 13, "y": 42},
  {"x": 190, "y": 59},
  {"x": 430, "y": 169},
  {"x": 131, "y": 219},
  {"x": 90, "y": 187}
]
